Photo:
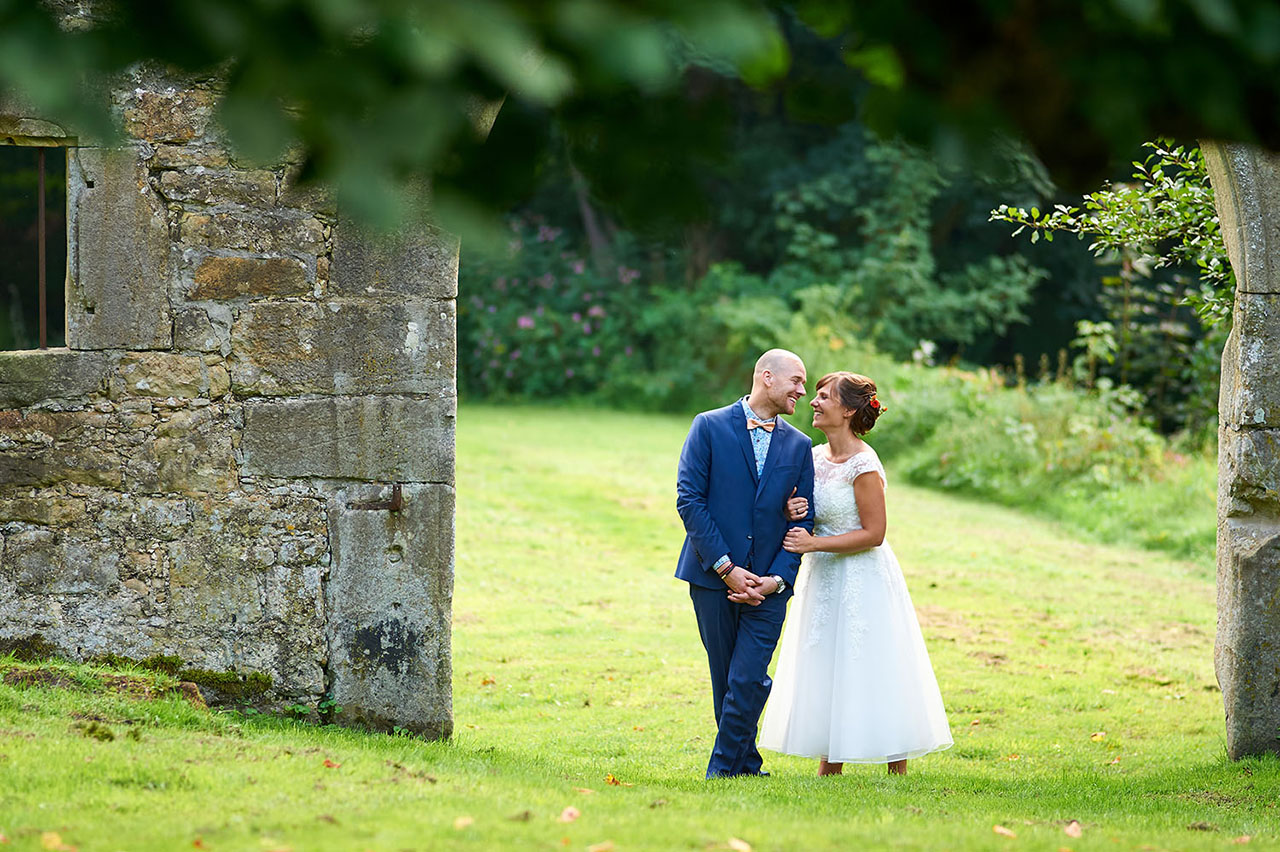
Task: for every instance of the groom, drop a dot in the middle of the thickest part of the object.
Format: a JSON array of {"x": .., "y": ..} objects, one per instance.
[{"x": 739, "y": 465}]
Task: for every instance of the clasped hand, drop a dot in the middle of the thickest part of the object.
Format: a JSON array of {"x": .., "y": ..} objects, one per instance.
[
  {"x": 747, "y": 588},
  {"x": 798, "y": 539}
]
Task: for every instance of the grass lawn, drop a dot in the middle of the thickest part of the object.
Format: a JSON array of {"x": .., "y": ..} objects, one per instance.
[{"x": 1078, "y": 679}]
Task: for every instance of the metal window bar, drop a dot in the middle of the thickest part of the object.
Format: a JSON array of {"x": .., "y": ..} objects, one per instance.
[{"x": 40, "y": 236}]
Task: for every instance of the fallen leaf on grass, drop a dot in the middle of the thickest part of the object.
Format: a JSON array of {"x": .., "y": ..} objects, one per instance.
[
  {"x": 1098, "y": 736},
  {"x": 327, "y": 818},
  {"x": 463, "y": 822},
  {"x": 329, "y": 764},
  {"x": 52, "y": 841},
  {"x": 198, "y": 843},
  {"x": 1201, "y": 826},
  {"x": 1002, "y": 831},
  {"x": 487, "y": 682},
  {"x": 1073, "y": 829},
  {"x": 585, "y": 791},
  {"x": 1114, "y": 762},
  {"x": 612, "y": 780},
  {"x": 657, "y": 803},
  {"x": 739, "y": 845},
  {"x": 523, "y": 816},
  {"x": 1014, "y": 756},
  {"x": 605, "y": 846},
  {"x": 1244, "y": 838},
  {"x": 569, "y": 814}
]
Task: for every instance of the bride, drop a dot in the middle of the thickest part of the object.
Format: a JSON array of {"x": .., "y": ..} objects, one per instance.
[{"x": 854, "y": 683}]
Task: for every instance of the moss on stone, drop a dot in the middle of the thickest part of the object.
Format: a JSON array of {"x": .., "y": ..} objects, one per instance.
[
  {"x": 31, "y": 649},
  {"x": 155, "y": 663},
  {"x": 236, "y": 686}
]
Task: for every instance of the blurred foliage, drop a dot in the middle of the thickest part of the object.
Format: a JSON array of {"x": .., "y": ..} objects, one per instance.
[
  {"x": 377, "y": 91},
  {"x": 1080, "y": 81},
  {"x": 1167, "y": 308}
]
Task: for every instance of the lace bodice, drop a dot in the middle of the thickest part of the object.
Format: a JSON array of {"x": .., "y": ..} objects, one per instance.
[{"x": 835, "y": 509}]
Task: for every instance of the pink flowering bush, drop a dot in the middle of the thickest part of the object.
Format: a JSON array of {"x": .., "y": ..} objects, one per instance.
[{"x": 539, "y": 321}]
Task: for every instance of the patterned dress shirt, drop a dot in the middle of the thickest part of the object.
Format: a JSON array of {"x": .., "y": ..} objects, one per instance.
[{"x": 759, "y": 446}]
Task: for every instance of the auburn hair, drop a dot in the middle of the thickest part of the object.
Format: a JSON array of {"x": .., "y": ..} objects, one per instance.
[{"x": 856, "y": 393}]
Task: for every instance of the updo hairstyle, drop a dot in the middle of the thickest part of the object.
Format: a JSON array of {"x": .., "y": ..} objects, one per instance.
[{"x": 857, "y": 394}]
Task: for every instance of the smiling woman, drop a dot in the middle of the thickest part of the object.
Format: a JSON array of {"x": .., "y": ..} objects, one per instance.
[{"x": 33, "y": 246}]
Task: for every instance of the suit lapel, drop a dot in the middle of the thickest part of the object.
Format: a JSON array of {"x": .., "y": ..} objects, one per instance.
[{"x": 739, "y": 425}]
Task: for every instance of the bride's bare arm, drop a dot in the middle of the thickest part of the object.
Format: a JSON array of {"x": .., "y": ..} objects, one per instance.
[{"x": 868, "y": 490}]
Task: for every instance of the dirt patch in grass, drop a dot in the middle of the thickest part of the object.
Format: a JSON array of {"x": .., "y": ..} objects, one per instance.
[{"x": 38, "y": 677}]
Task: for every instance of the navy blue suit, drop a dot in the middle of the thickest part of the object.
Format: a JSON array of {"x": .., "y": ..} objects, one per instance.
[{"x": 727, "y": 508}]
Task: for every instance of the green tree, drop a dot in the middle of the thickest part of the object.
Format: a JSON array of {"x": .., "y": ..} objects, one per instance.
[{"x": 1161, "y": 230}]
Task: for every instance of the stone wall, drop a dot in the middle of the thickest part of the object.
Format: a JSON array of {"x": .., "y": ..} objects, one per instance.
[{"x": 244, "y": 456}]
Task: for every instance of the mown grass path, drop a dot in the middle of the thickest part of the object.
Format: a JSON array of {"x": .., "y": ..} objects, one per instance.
[{"x": 1078, "y": 679}]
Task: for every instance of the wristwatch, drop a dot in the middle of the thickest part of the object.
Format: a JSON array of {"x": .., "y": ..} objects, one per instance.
[{"x": 782, "y": 584}]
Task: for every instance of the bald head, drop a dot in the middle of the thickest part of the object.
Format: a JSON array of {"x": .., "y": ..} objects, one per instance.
[
  {"x": 777, "y": 361},
  {"x": 777, "y": 384}
]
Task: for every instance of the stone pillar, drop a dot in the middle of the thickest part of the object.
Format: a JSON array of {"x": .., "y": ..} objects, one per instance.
[{"x": 1246, "y": 182}]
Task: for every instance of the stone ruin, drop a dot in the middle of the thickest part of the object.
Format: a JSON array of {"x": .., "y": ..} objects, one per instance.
[
  {"x": 1246, "y": 184},
  {"x": 241, "y": 465}
]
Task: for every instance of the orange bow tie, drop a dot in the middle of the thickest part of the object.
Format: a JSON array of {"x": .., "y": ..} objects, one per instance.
[{"x": 753, "y": 423}]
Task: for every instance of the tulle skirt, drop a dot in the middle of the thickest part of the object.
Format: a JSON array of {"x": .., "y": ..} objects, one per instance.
[{"x": 854, "y": 683}]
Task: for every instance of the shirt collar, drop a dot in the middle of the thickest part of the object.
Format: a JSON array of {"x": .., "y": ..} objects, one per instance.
[{"x": 747, "y": 409}]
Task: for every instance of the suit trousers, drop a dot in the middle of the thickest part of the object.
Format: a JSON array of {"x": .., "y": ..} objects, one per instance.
[{"x": 739, "y": 640}]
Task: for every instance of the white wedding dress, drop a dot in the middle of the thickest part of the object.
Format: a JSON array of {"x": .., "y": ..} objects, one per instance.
[{"x": 854, "y": 683}]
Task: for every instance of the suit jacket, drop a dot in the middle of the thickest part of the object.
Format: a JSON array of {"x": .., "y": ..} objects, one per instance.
[{"x": 726, "y": 508}]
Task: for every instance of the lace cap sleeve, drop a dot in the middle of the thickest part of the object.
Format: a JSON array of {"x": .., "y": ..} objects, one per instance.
[{"x": 865, "y": 462}]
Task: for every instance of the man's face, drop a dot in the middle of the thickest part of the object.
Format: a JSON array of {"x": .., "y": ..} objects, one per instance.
[{"x": 786, "y": 386}]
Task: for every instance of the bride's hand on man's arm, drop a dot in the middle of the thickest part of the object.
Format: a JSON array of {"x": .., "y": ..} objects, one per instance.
[
  {"x": 796, "y": 508},
  {"x": 799, "y": 540}
]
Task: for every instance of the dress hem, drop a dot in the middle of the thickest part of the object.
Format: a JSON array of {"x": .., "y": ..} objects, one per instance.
[{"x": 910, "y": 755}]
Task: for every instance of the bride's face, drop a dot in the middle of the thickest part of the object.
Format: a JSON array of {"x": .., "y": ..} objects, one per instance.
[{"x": 828, "y": 413}]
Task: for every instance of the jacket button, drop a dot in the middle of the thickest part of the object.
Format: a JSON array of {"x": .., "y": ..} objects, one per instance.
[{"x": 748, "y": 538}]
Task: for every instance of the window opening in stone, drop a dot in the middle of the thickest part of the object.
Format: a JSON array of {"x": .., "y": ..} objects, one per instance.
[{"x": 33, "y": 177}]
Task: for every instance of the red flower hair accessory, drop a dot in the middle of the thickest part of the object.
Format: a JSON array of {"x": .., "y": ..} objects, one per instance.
[{"x": 874, "y": 403}]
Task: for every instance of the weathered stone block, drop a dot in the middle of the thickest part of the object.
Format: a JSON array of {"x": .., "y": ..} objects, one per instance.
[
  {"x": 41, "y": 561},
  {"x": 258, "y": 231},
  {"x": 159, "y": 374},
  {"x": 253, "y": 187},
  {"x": 1248, "y": 472},
  {"x": 233, "y": 277},
  {"x": 173, "y": 115},
  {"x": 36, "y": 375},
  {"x": 373, "y": 438},
  {"x": 344, "y": 346},
  {"x": 389, "y": 596},
  {"x": 200, "y": 330},
  {"x": 25, "y": 129},
  {"x": 1246, "y": 184},
  {"x": 47, "y": 510},
  {"x": 421, "y": 261},
  {"x": 1247, "y": 651},
  {"x": 1250, "y": 393},
  {"x": 119, "y": 267},
  {"x": 44, "y": 448},
  {"x": 189, "y": 452},
  {"x": 187, "y": 156},
  {"x": 305, "y": 196}
]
